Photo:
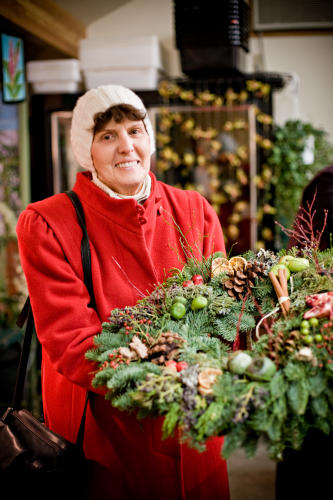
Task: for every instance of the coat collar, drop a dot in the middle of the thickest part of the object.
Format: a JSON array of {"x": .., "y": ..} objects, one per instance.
[{"x": 126, "y": 212}]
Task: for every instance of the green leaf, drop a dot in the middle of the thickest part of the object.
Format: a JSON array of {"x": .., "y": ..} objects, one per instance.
[
  {"x": 6, "y": 67},
  {"x": 17, "y": 76},
  {"x": 298, "y": 396},
  {"x": 319, "y": 406},
  {"x": 171, "y": 420},
  {"x": 274, "y": 430},
  {"x": 317, "y": 384}
]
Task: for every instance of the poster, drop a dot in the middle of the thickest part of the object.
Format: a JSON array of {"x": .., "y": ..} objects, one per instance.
[{"x": 13, "y": 76}]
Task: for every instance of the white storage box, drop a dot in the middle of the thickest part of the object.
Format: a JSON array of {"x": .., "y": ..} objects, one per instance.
[
  {"x": 122, "y": 52},
  {"x": 54, "y": 70},
  {"x": 135, "y": 79},
  {"x": 61, "y": 87}
]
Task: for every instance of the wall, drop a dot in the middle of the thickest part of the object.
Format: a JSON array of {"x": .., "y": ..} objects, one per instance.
[{"x": 310, "y": 56}]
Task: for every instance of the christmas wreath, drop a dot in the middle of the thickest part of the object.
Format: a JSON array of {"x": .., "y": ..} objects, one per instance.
[{"x": 176, "y": 352}]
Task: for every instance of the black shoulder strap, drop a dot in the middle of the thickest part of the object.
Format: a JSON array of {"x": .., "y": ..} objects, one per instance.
[
  {"x": 26, "y": 315},
  {"x": 85, "y": 246}
]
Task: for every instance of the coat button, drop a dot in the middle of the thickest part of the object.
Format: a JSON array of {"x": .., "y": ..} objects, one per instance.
[
  {"x": 140, "y": 210},
  {"x": 158, "y": 198}
]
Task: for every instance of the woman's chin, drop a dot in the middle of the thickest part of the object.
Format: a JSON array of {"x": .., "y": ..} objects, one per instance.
[{"x": 127, "y": 183}]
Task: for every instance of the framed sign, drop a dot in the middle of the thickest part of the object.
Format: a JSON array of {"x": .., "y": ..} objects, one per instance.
[{"x": 13, "y": 75}]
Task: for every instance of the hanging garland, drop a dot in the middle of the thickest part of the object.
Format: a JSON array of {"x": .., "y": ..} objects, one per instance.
[
  {"x": 169, "y": 354},
  {"x": 229, "y": 179}
]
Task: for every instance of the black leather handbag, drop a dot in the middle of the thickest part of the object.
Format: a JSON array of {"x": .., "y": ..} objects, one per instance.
[{"x": 34, "y": 461}]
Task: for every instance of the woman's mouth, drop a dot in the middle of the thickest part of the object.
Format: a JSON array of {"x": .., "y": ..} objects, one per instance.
[{"x": 128, "y": 164}]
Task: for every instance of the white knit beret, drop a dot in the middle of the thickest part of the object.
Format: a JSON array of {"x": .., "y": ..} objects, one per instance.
[{"x": 96, "y": 101}]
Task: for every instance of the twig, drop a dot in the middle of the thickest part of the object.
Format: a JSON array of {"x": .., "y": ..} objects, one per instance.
[
  {"x": 140, "y": 293},
  {"x": 268, "y": 330},
  {"x": 236, "y": 343},
  {"x": 303, "y": 231}
]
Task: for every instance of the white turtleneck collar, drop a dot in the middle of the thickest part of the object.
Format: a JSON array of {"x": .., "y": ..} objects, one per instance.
[{"x": 140, "y": 197}]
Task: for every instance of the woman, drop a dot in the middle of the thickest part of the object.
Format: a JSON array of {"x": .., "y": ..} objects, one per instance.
[{"x": 128, "y": 216}]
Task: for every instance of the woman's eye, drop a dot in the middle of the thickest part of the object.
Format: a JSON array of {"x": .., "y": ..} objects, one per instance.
[{"x": 107, "y": 137}]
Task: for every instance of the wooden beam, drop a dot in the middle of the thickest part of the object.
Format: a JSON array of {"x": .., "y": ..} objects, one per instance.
[{"x": 47, "y": 21}]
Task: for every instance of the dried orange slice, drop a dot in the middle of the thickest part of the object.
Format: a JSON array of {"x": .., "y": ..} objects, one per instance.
[
  {"x": 219, "y": 265},
  {"x": 238, "y": 262},
  {"x": 207, "y": 377}
]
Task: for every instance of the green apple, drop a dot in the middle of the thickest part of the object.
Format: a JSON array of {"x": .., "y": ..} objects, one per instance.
[
  {"x": 261, "y": 369},
  {"x": 199, "y": 303},
  {"x": 297, "y": 265},
  {"x": 238, "y": 362},
  {"x": 285, "y": 259},
  {"x": 275, "y": 270}
]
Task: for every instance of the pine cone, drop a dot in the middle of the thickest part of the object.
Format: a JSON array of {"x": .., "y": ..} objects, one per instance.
[
  {"x": 165, "y": 347},
  {"x": 241, "y": 278}
]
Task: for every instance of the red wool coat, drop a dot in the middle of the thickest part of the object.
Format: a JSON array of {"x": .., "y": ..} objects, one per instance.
[{"x": 128, "y": 459}]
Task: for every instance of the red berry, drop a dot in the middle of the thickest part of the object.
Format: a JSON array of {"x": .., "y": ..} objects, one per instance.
[
  {"x": 126, "y": 333},
  {"x": 208, "y": 335},
  {"x": 187, "y": 283},
  {"x": 319, "y": 346},
  {"x": 113, "y": 364},
  {"x": 131, "y": 327},
  {"x": 171, "y": 364},
  {"x": 110, "y": 355},
  {"x": 120, "y": 362},
  {"x": 120, "y": 314},
  {"x": 144, "y": 340},
  {"x": 197, "y": 279},
  {"x": 128, "y": 362},
  {"x": 320, "y": 365},
  {"x": 144, "y": 320},
  {"x": 127, "y": 328},
  {"x": 149, "y": 322},
  {"x": 141, "y": 321},
  {"x": 325, "y": 325},
  {"x": 181, "y": 365},
  {"x": 125, "y": 324},
  {"x": 329, "y": 361},
  {"x": 132, "y": 317},
  {"x": 330, "y": 324},
  {"x": 326, "y": 337}
]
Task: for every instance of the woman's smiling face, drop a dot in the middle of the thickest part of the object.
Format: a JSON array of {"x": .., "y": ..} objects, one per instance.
[{"x": 121, "y": 156}]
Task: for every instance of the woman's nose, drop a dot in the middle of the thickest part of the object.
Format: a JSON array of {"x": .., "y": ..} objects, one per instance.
[{"x": 125, "y": 144}]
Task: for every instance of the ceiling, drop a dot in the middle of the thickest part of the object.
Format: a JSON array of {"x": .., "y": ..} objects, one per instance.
[{"x": 88, "y": 11}]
